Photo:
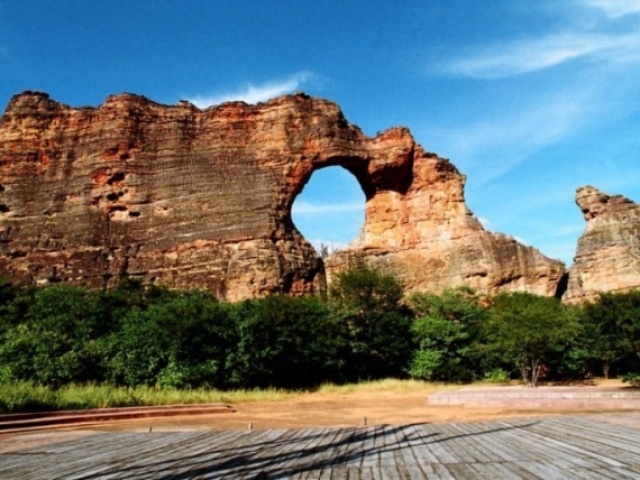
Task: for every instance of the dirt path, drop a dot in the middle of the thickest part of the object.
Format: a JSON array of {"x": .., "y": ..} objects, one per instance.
[
  {"x": 332, "y": 408},
  {"x": 339, "y": 409}
]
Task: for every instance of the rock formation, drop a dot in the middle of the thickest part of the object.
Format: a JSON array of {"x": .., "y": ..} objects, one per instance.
[
  {"x": 423, "y": 231},
  {"x": 608, "y": 252},
  {"x": 202, "y": 198}
]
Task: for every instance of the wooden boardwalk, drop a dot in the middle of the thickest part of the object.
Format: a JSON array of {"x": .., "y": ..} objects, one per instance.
[{"x": 577, "y": 446}]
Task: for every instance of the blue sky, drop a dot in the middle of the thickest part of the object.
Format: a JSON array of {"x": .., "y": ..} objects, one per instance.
[{"x": 528, "y": 99}]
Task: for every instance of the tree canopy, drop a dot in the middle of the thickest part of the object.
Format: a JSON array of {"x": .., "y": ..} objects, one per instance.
[{"x": 526, "y": 329}]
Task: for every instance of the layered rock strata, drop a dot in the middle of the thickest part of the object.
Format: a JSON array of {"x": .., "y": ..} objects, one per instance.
[
  {"x": 608, "y": 253},
  {"x": 423, "y": 231},
  {"x": 202, "y": 198}
]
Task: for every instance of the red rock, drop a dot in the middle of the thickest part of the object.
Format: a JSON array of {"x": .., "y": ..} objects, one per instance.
[{"x": 202, "y": 198}]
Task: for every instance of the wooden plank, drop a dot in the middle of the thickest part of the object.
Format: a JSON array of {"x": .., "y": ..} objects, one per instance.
[
  {"x": 311, "y": 455},
  {"x": 388, "y": 443},
  {"x": 580, "y": 449},
  {"x": 586, "y": 474},
  {"x": 468, "y": 447},
  {"x": 169, "y": 450},
  {"x": 537, "y": 445},
  {"x": 461, "y": 471},
  {"x": 574, "y": 447},
  {"x": 537, "y": 448},
  {"x": 497, "y": 471},
  {"x": 435, "y": 447},
  {"x": 442, "y": 472},
  {"x": 601, "y": 433},
  {"x": 618, "y": 444},
  {"x": 544, "y": 470},
  {"x": 403, "y": 454},
  {"x": 491, "y": 440},
  {"x": 420, "y": 451},
  {"x": 370, "y": 447},
  {"x": 345, "y": 451},
  {"x": 519, "y": 472},
  {"x": 181, "y": 458}
]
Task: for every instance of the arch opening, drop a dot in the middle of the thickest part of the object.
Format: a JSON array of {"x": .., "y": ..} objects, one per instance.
[{"x": 329, "y": 211}]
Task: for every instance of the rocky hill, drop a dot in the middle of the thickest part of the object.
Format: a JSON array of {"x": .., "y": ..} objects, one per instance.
[
  {"x": 202, "y": 198},
  {"x": 608, "y": 252}
]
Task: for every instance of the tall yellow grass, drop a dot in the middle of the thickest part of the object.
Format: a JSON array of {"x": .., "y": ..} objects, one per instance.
[{"x": 27, "y": 397}]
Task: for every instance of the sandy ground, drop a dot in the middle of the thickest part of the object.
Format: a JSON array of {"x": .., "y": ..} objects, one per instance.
[
  {"x": 339, "y": 409},
  {"x": 326, "y": 408}
]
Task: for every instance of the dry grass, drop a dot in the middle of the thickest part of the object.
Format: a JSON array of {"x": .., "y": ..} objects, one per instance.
[
  {"x": 389, "y": 385},
  {"x": 26, "y": 397}
]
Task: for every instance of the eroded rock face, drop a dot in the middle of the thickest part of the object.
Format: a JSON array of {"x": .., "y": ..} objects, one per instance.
[
  {"x": 202, "y": 198},
  {"x": 608, "y": 252},
  {"x": 424, "y": 232}
]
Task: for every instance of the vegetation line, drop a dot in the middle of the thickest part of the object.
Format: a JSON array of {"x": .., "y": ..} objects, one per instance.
[{"x": 70, "y": 347}]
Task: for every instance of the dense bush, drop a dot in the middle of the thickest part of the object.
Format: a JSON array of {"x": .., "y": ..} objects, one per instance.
[
  {"x": 368, "y": 303},
  {"x": 612, "y": 331},
  {"x": 446, "y": 329},
  {"x": 147, "y": 336},
  {"x": 528, "y": 331},
  {"x": 54, "y": 342},
  {"x": 183, "y": 341},
  {"x": 285, "y": 342}
]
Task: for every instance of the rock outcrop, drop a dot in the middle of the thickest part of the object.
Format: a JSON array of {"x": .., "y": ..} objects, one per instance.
[
  {"x": 202, "y": 198},
  {"x": 608, "y": 253},
  {"x": 423, "y": 231}
]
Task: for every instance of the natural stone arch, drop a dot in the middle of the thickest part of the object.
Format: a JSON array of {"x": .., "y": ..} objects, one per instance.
[
  {"x": 202, "y": 198},
  {"x": 333, "y": 187}
]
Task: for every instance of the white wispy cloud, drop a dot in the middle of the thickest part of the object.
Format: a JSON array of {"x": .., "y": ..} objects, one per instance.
[
  {"x": 521, "y": 240},
  {"x": 251, "y": 93},
  {"x": 513, "y": 131},
  {"x": 530, "y": 127},
  {"x": 572, "y": 231},
  {"x": 615, "y": 8},
  {"x": 518, "y": 57},
  {"x": 307, "y": 208}
]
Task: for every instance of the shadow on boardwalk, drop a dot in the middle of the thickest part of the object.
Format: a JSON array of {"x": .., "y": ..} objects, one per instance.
[
  {"x": 575, "y": 446},
  {"x": 287, "y": 456}
]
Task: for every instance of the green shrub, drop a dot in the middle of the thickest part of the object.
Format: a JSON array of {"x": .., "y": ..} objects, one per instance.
[
  {"x": 181, "y": 342},
  {"x": 284, "y": 342},
  {"x": 497, "y": 375},
  {"x": 26, "y": 397},
  {"x": 54, "y": 342},
  {"x": 445, "y": 331},
  {"x": 632, "y": 379},
  {"x": 367, "y": 303},
  {"x": 528, "y": 330}
]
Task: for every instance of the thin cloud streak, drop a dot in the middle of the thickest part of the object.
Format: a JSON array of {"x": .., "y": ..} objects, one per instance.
[
  {"x": 615, "y": 8},
  {"x": 544, "y": 118},
  {"x": 530, "y": 129},
  {"x": 484, "y": 221},
  {"x": 306, "y": 208},
  {"x": 254, "y": 94},
  {"x": 521, "y": 57}
]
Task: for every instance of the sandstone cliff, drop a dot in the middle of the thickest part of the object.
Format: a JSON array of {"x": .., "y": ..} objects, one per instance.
[
  {"x": 423, "y": 231},
  {"x": 608, "y": 252},
  {"x": 202, "y": 198}
]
